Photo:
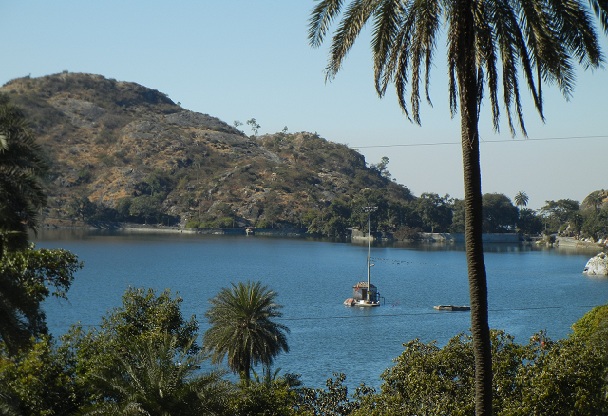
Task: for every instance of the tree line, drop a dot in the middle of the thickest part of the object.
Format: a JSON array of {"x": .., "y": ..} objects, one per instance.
[
  {"x": 401, "y": 220},
  {"x": 432, "y": 213}
]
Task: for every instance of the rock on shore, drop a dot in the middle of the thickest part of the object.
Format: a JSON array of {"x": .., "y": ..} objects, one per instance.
[{"x": 597, "y": 266}]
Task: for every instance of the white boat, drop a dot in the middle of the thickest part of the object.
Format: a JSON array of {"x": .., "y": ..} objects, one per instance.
[{"x": 365, "y": 294}]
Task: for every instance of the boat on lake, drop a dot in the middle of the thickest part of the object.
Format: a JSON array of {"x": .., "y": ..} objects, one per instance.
[{"x": 365, "y": 294}]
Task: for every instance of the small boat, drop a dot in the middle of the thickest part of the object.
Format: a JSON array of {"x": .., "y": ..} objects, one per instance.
[
  {"x": 453, "y": 308},
  {"x": 364, "y": 297},
  {"x": 365, "y": 294}
]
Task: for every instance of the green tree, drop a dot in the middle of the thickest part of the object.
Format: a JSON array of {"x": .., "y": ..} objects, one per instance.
[
  {"x": 595, "y": 224},
  {"x": 559, "y": 214},
  {"x": 382, "y": 168},
  {"x": 81, "y": 207},
  {"x": 593, "y": 327},
  {"x": 27, "y": 278},
  {"x": 255, "y": 127},
  {"x": 242, "y": 328},
  {"x": 270, "y": 396},
  {"x": 499, "y": 214},
  {"x": 563, "y": 378},
  {"x": 144, "y": 320},
  {"x": 529, "y": 222},
  {"x": 429, "y": 380},
  {"x": 157, "y": 183},
  {"x": 594, "y": 214},
  {"x": 540, "y": 38},
  {"x": 332, "y": 220},
  {"x": 22, "y": 167},
  {"x": 521, "y": 199},
  {"x": 333, "y": 401},
  {"x": 434, "y": 211},
  {"x": 145, "y": 208},
  {"x": 37, "y": 381},
  {"x": 457, "y": 216}
]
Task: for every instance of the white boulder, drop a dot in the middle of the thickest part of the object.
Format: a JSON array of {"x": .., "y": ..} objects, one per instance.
[{"x": 597, "y": 266}]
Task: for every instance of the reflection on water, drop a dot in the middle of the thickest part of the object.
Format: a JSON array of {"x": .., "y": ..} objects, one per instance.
[{"x": 530, "y": 289}]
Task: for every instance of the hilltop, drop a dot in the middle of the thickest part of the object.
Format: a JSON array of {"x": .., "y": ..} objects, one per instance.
[{"x": 119, "y": 151}]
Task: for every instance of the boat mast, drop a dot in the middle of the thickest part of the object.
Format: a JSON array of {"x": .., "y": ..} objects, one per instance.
[{"x": 369, "y": 211}]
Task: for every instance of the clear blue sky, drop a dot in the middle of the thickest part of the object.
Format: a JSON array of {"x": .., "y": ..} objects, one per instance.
[{"x": 241, "y": 59}]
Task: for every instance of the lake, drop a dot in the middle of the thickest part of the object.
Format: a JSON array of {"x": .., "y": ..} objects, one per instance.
[{"x": 529, "y": 290}]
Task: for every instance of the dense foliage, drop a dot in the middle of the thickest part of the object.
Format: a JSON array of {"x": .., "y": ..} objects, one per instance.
[
  {"x": 143, "y": 359},
  {"x": 27, "y": 278},
  {"x": 22, "y": 166},
  {"x": 566, "y": 377}
]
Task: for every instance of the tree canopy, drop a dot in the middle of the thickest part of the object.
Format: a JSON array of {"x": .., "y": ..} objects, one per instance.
[
  {"x": 242, "y": 327},
  {"x": 21, "y": 169}
]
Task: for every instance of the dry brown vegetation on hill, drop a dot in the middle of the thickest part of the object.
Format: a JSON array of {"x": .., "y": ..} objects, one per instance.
[{"x": 122, "y": 152}]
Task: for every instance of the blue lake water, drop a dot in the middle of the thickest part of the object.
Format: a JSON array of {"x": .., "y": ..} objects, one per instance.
[{"x": 529, "y": 290}]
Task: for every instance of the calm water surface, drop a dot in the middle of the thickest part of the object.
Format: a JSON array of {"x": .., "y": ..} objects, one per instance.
[{"x": 529, "y": 290}]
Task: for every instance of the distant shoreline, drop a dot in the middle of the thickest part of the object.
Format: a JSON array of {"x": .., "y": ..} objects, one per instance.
[
  {"x": 435, "y": 238},
  {"x": 151, "y": 229}
]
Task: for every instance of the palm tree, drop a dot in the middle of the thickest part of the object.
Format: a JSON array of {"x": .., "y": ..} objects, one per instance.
[
  {"x": 538, "y": 40},
  {"x": 160, "y": 378},
  {"x": 21, "y": 168},
  {"x": 241, "y": 327},
  {"x": 21, "y": 196},
  {"x": 521, "y": 199}
]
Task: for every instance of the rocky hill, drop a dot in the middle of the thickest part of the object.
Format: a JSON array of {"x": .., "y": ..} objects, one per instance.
[{"x": 122, "y": 152}]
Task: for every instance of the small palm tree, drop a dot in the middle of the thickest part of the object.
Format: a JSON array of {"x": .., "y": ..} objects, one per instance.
[
  {"x": 161, "y": 378},
  {"x": 242, "y": 328},
  {"x": 521, "y": 199}
]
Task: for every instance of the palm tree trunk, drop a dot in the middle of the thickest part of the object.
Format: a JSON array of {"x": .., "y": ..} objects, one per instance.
[{"x": 478, "y": 291}]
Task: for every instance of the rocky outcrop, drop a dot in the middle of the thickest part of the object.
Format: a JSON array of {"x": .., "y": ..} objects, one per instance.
[{"x": 597, "y": 266}]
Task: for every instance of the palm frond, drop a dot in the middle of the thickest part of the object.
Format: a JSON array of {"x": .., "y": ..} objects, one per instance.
[
  {"x": 426, "y": 16},
  {"x": 600, "y": 8},
  {"x": 575, "y": 24},
  {"x": 321, "y": 18},
  {"x": 487, "y": 57},
  {"x": 387, "y": 21},
  {"x": 452, "y": 16},
  {"x": 355, "y": 18}
]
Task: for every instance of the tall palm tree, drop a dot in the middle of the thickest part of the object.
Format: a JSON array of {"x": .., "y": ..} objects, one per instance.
[
  {"x": 521, "y": 199},
  {"x": 242, "y": 328},
  {"x": 21, "y": 169},
  {"x": 537, "y": 40}
]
